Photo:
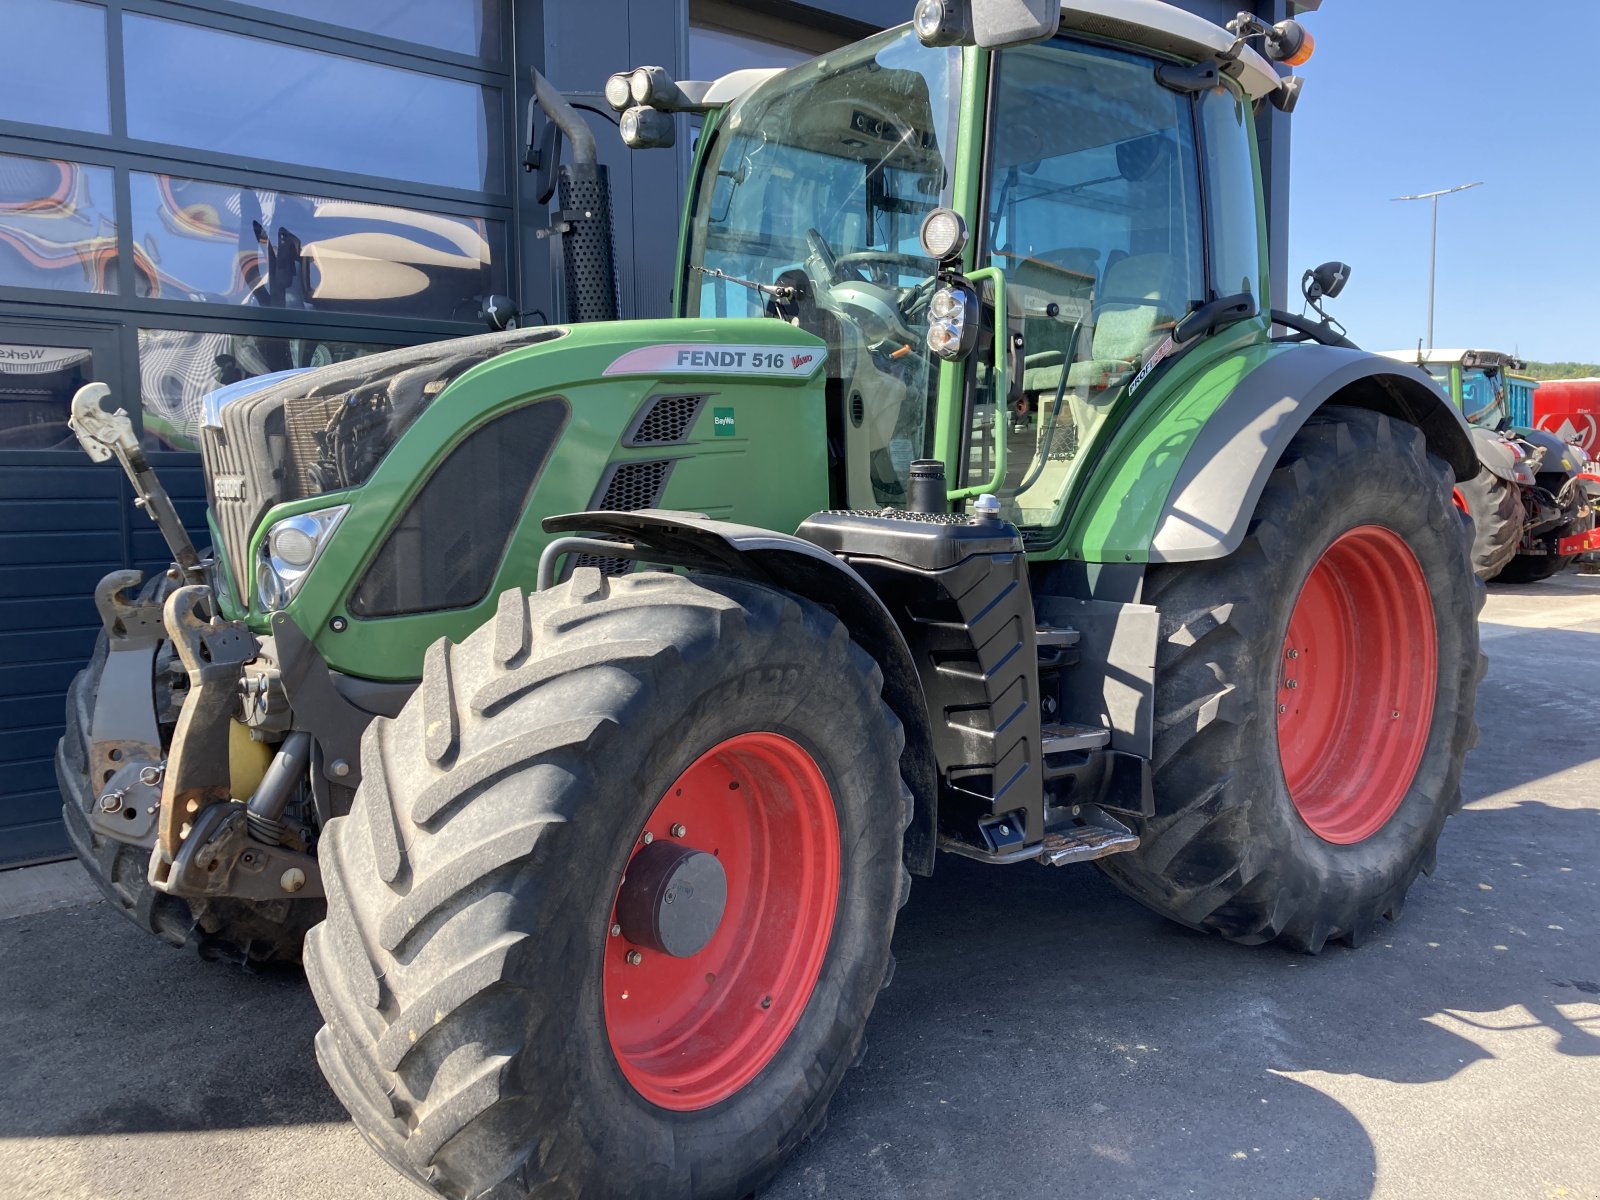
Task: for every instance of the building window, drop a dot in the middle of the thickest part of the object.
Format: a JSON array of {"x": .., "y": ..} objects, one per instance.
[
  {"x": 55, "y": 65},
  {"x": 231, "y": 244},
  {"x": 252, "y": 98},
  {"x": 460, "y": 26},
  {"x": 58, "y": 228}
]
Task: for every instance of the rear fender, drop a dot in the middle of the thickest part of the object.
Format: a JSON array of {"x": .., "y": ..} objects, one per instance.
[
  {"x": 1214, "y": 494},
  {"x": 795, "y": 565}
]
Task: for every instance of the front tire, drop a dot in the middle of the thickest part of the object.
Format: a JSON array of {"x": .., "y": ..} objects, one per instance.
[
  {"x": 488, "y": 1030},
  {"x": 1314, "y": 696}
]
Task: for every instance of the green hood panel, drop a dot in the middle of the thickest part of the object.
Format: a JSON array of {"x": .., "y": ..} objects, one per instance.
[{"x": 756, "y": 450}]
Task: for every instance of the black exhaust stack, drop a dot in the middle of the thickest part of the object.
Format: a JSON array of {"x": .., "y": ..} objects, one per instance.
[{"x": 588, "y": 253}]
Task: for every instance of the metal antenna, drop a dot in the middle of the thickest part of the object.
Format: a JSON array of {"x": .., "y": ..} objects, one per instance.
[{"x": 1433, "y": 241}]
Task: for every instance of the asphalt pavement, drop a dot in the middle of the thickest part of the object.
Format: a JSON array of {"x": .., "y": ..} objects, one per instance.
[{"x": 1044, "y": 1036}]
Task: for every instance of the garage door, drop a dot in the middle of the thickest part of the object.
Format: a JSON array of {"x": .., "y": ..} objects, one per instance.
[{"x": 64, "y": 523}]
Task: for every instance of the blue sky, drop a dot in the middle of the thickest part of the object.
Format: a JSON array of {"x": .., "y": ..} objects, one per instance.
[{"x": 1408, "y": 96}]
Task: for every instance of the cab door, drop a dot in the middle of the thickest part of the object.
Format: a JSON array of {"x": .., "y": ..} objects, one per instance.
[{"x": 1093, "y": 210}]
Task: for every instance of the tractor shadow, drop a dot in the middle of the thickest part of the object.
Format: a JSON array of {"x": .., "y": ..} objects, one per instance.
[{"x": 1046, "y": 1037}]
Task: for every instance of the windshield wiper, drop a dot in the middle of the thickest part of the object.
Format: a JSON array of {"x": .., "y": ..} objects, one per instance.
[{"x": 780, "y": 292}]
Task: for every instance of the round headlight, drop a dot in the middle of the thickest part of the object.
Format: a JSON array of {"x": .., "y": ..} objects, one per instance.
[
  {"x": 294, "y": 543},
  {"x": 619, "y": 91},
  {"x": 947, "y": 304},
  {"x": 639, "y": 85},
  {"x": 629, "y": 125},
  {"x": 930, "y": 16},
  {"x": 944, "y": 234},
  {"x": 944, "y": 338}
]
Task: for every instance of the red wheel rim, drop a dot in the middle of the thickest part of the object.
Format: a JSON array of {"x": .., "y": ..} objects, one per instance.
[
  {"x": 1356, "y": 685},
  {"x": 1459, "y": 501},
  {"x": 690, "y": 1032}
]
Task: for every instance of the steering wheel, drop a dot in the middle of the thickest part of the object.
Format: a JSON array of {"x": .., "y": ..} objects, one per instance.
[{"x": 885, "y": 258}]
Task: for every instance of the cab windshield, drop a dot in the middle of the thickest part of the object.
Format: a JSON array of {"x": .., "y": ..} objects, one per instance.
[{"x": 817, "y": 184}]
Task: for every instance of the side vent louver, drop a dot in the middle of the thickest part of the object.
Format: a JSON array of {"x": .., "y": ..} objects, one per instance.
[
  {"x": 664, "y": 420},
  {"x": 630, "y": 487}
]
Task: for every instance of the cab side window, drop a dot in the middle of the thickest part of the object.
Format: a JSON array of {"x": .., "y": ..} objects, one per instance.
[
  {"x": 1094, "y": 215},
  {"x": 1231, "y": 193}
]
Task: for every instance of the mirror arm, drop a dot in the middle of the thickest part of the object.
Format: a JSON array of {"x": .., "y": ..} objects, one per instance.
[{"x": 1214, "y": 315}]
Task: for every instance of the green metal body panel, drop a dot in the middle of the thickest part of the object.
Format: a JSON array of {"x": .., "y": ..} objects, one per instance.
[
  {"x": 771, "y": 470},
  {"x": 1120, "y": 499}
]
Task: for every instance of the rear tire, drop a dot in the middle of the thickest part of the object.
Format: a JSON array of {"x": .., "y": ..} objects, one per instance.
[
  {"x": 1498, "y": 519},
  {"x": 467, "y": 973},
  {"x": 1231, "y": 848}
]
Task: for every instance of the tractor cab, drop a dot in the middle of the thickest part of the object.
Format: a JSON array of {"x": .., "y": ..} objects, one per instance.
[
  {"x": 999, "y": 248},
  {"x": 1486, "y": 385}
]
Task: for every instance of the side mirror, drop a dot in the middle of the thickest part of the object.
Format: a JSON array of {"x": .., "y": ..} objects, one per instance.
[
  {"x": 992, "y": 24},
  {"x": 1325, "y": 282},
  {"x": 500, "y": 313}
]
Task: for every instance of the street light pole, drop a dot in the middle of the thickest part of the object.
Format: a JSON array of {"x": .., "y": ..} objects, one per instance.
[{"x": 1433, "y": 240}]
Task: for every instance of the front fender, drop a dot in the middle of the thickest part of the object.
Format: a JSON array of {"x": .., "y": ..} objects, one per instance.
[
  {"x": 797, "y": 566},
  {"x": 1214, "y": 494}
]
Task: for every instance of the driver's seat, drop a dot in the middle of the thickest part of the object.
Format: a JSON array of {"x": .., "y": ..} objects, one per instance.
[{"x": 1138, "y": 298}]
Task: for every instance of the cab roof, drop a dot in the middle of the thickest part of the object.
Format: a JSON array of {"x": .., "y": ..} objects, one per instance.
[
  {"x": 1153, "y": 23},
  {"x": 1466, "y": 358}
]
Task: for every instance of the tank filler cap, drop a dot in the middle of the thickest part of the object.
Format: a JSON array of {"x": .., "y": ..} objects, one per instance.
[{"x": 986, "y": 507}]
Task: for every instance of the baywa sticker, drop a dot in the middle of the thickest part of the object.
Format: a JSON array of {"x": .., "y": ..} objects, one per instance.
[
  {"x": 722, "y": 423},
  {"x": 764, "y": 362}
]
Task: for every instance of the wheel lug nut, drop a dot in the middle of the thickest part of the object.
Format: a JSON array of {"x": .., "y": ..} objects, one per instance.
[
  {"x": 1294, "y": 654},
  {"x": 649, "y": 837},
  {"x": 1283, "y": 708},
  {"x": 634, "y": 958},
  {"x": 679, "y": 830},
  {"x": 766, "y": 1002},
  {"x": 616, "y": 931},
  {"x": 1291, "y": 685}
]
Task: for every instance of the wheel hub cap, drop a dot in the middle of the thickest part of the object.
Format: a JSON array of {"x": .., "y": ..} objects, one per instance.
[{"x": 672, "y": 899}]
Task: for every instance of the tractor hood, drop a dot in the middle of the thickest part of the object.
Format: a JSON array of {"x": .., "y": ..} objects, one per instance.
[{"x": 386, "y": 502}]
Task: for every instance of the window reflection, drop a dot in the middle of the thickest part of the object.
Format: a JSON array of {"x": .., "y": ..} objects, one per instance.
[
  {"x": 237, "y": 245},
  {"x": 261, "y": 99},
  {"x": 458, "y": 25},
  {"x": 178, "y": 367},
  {"x": 38, "y": 84},
  {"x": 36, "y": 388},
  {"x": 57, "y": 225}
]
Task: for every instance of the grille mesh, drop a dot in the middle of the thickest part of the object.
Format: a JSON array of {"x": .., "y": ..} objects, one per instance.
[
  {"x": 898, "y": 514},
  {"x": 668, "y": 419},
  {"x": 633, "y": 485},
  {"x": 447, "y": 548}
]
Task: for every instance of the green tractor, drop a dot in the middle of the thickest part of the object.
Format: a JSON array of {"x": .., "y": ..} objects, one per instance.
[
  {"x": 612, "y": 812},
  {"x": 1532, "y": 504}
]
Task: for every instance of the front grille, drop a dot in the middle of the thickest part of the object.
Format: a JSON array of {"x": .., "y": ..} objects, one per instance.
[{"x": 233, "y": 504}]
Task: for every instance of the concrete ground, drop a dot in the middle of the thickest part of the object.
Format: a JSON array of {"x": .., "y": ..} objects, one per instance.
[{"x": 1044, "y": 1037}]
